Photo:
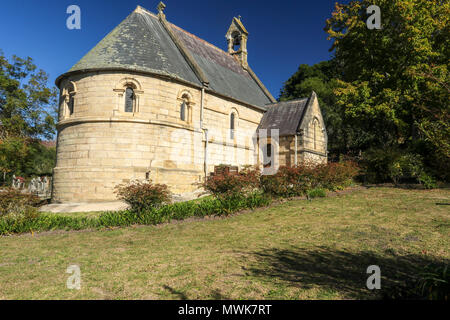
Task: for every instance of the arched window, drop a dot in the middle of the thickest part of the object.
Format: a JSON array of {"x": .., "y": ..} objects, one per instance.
[
  {"x": 183, "y": 111},
  {"x": 68, "y": 100},
  {"x": 129, "y": 99},
  {"x": 71, "y": 103},
  {"x": 129, "y": 92},
  {"x": 315, "y": 132},
  {"x": 236, "y": 38},
  {"x": 184, "y": 105},
  {"x": 232, "y": 125}
]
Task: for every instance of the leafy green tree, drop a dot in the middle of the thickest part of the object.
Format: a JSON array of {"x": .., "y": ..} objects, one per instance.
[
  {"x": 27, "y": 115},
  {"x": 384, "y": 91},
  {"x": 393, "y": 82},
  {"x": 41, "y": 161},
  {"x": 321, "y": 79},
  {"x": 13, "y": 154},
  {"x": 27, "y": 105}
]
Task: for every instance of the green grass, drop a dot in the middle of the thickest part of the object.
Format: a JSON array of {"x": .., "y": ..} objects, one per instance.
[{"x": 299, "y": 249}]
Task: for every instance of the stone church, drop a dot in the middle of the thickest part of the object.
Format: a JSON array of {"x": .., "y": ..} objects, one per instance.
[{"x": 153, "y": 101}]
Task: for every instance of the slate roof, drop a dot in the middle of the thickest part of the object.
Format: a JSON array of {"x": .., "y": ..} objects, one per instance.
[
  {"x": 285, "y": 116},
  {"x": 224, "y": 72},
  {"x": 141, "y": 43}
]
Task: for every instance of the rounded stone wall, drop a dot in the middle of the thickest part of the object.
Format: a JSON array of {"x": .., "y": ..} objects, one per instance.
[{"x": 100, "y": 145}]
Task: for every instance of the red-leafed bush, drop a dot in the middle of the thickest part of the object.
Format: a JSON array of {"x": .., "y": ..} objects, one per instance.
[
  {"x": 288, "y": 181},
  {"x": 297, "y": 180},
  {"x": 225, "y": 185},
  {"x": 335, "y": 175},
  {"x": 143, "y": 196}
]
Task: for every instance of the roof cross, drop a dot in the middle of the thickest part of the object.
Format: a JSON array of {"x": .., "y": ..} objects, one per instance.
[{"x": 161, "y": 7}]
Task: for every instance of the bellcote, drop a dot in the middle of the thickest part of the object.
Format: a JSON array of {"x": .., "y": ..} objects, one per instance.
[{"x": 237, "y": 37}]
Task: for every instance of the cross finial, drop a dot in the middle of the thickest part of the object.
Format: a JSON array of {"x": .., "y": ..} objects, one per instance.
[
  {"x": 161, "y": 7},
  {"x": 239, "y": 17}
]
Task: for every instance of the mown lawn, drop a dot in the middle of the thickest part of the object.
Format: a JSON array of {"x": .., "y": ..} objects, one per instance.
[{"x": 294, "y": 250}]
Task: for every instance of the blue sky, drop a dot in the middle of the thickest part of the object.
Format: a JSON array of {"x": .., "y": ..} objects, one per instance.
[{"x": 282, "y": 35}]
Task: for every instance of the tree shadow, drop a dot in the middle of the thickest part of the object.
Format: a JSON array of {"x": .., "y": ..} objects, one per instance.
[
  {"x": 181, "y": 295},
  {"x": 215, "y": 294},
  {"x": 342, "y": 271}
]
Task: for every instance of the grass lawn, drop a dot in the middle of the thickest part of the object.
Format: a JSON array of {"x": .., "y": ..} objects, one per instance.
[{"x": 294, "y": 250}]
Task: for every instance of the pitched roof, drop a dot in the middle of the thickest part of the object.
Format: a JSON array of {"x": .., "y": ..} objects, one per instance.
[
  {"x": 285, "y": 116},
  {"x": 142, "y": 43},
  {"x": 224, "y": 72},
  {"x": 138, "y": 43}
]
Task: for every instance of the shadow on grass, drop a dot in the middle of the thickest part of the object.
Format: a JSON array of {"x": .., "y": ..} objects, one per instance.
[
  {"x": 180, "y": 295},
  {"x": 214, "y": 294},
  {"x": 341, "y": 271}
]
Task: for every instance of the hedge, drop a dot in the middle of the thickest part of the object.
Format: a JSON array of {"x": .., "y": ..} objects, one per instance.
[{"x": 177, "y": 211}]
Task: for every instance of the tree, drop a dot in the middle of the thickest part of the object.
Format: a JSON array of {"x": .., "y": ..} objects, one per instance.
[
  {"x": 393, "y": 82},
  {"x": 27, "y": 105},
  {"x": 321, "y": 79},
  {"x": 27, "y": 115}
]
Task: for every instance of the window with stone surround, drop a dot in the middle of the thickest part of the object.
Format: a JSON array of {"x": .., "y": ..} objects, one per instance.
[
  {"x": 128, "y": 96},
  {"x": 183, "y": 111},
  {"x": 129, "y": 100},
  {"x": 185, "y": 104},
  {"x": 316, "y": 133},
  {"x": 67, "y": 100},
  {"x": 233, "y": 123}
]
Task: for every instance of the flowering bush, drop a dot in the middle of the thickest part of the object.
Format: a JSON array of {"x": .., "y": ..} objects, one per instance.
[{"x": 143, "y": 196}]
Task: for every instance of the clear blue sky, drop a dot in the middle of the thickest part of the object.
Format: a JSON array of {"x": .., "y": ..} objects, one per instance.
[{"x": 282, "y": 34}]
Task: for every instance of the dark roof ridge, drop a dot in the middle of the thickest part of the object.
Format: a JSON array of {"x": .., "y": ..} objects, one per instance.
[
  {"x": 287, "y": 101},
  {"x": 184, "y": 51}
]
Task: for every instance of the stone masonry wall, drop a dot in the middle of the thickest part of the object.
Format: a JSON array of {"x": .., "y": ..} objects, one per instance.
[{"x": 100, "y": 146}]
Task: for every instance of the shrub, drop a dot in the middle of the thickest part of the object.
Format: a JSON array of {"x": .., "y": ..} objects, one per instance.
[
  {"x": 376, "y": 162},
  {"x": 258, "y": 199},
  {"x": 208, "y": 206},
  {"x": 11, "y": 199},
  {"x": 410, "y": 167},
  {"x": 335, "y": 175},
  {"x": 427, "y": 181},
  {"x": 143, "y": 196},
  {"x": 434, "y": 283},
  {"x": 227, "y": 185},
  {"x": 381, "y": 165},
  {"x": 42, "y": 222},
  {"x": 295, "y": 181},
  {"x": 316, "y": 193},
  {"x": 21, "y": 212},
  {"x": 284, "y": 183}
]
